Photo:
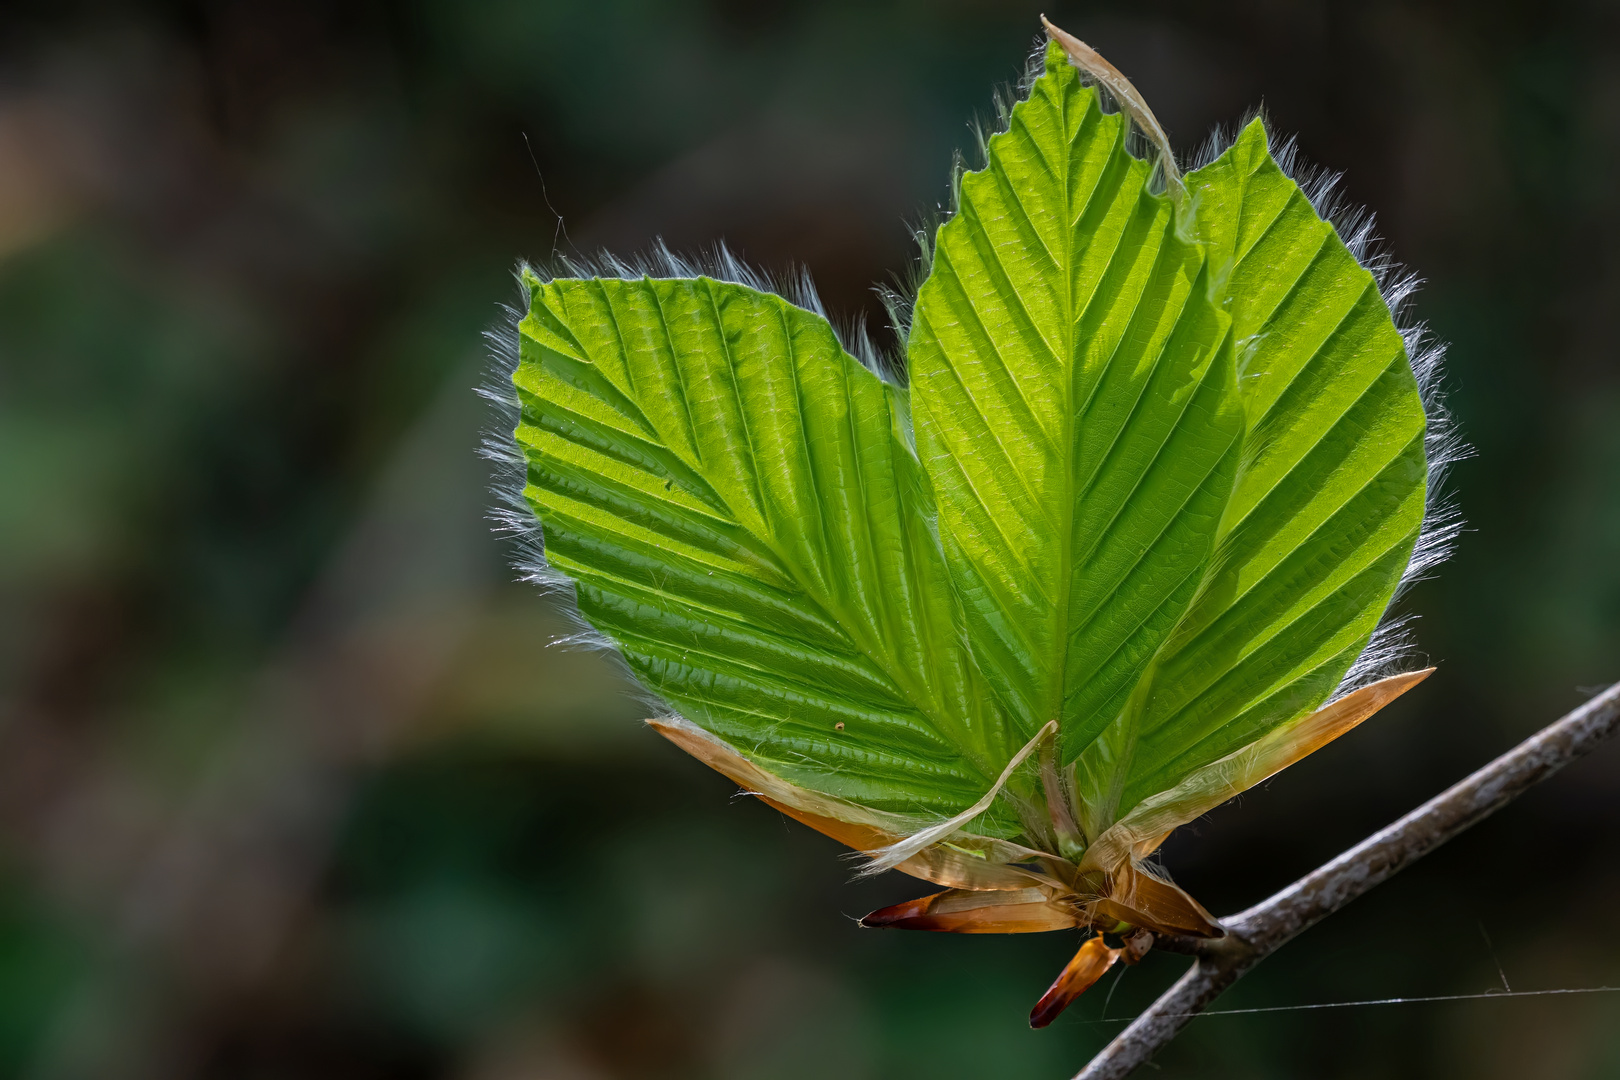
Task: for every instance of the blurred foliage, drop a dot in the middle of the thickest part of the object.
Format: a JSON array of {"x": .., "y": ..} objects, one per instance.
[{"x": 280, "y": 796}]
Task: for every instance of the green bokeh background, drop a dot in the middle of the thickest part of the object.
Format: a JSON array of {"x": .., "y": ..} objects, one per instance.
[{"x": 291, "y": 784}]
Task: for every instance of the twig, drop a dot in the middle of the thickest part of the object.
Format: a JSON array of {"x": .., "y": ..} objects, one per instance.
[{"x": 1260, "y": 931}]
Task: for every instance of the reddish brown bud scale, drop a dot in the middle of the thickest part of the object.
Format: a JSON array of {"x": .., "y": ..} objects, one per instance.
[{"x": 1079, "y": 975}]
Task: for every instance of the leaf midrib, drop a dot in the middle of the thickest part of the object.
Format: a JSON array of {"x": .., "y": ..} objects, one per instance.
[{"x": 1072, "y": 218}]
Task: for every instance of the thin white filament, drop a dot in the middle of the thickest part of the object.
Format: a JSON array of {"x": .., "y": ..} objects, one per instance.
[
  {"x": 1492, "y": 994},
  {"x": 887, "y": 858}
]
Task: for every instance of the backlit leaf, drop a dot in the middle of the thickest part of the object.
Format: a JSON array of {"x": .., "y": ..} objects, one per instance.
[
  {"x": 736, "y": 501},
  {"x": 1330, "y": 498},
  {"x": 1075, "y": 404}
]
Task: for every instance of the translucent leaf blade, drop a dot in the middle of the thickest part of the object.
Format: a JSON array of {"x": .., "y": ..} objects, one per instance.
[
  {"x": 734, "y": 499},
  {"x": 1330, "y": 499},
  {"x": 1075, "y": 406}
]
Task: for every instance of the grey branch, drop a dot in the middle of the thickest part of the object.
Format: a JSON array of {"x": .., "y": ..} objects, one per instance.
[{"x": 1260, "y": 931}]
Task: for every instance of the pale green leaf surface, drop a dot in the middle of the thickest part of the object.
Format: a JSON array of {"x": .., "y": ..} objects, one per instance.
[
  {"x": 734, "y": 497},
  {"x": 1330, "y": 497},
  {"x": 1073, "y": 389}
]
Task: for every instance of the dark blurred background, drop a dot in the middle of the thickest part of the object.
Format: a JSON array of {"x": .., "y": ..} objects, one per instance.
[{"x": 291, "y": 784}]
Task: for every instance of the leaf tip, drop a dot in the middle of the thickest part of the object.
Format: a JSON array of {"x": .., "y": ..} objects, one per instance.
[{"x": 1090, "y": 61}]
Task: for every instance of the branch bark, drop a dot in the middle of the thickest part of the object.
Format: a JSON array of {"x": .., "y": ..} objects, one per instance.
[{"x": 1260, "y": 931}]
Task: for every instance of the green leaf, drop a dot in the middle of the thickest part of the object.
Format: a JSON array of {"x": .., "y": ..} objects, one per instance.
[
  {"x": 1330, "y": 499},
  {"x": 1073, "y": 386},
  {"x": 736, "y": 501}
]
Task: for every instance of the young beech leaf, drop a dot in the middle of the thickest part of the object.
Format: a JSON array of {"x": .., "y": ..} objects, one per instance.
[
  {"x": 1330, "y": 500},
  {"x": 1075, "y": 404},
  {"x": 1157, "y": 475},
  {"x": 736, "y": 501}
]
